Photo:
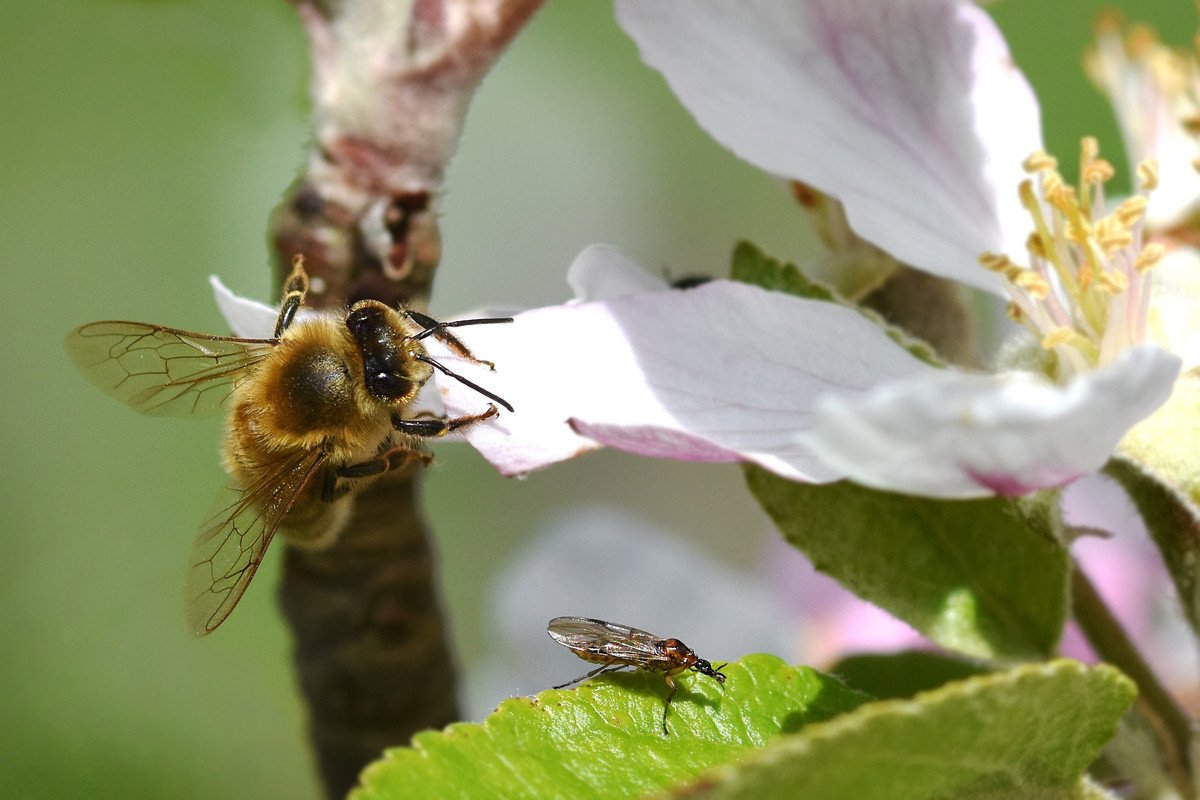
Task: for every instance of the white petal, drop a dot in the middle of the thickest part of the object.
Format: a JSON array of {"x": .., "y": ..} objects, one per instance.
[
  {"x": 959, "y": 435},
  {"x": 723, "y": 372},
  {"x": 911, "y": 113},
  {"x": 248, "y": 319},
  {"x": 1175, "y": 309},
  {"x": 602, "y": 272}
]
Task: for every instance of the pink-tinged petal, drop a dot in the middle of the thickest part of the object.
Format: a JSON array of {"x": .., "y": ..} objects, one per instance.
[
  {"x": 959, "y": 435},
  {"x": 910, "y": 112},
  {"x": 721, "y": 372},
  {"x": 647, "y": 440}
]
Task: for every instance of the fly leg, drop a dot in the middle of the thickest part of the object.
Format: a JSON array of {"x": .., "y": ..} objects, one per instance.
[
  {"x": 430, "y": 428},
  {"x": 674, "y": 688},
  {"x": 599, "y": 671}
]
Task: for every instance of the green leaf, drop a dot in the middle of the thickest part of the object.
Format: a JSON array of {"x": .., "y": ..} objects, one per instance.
[
  {"x": 1026, "y": 733},
  {"x": 982, "y": 577},
  {"x": 751, "y": 265},
  {"x": 605, "y": 738},
  {"x": 1174, "y": 523},
  {"x": 903, "y": 674}
]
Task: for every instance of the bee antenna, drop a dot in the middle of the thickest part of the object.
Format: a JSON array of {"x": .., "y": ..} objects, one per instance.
[
  {"x": 461, "y": 379},
  {"x": 432, "y": 326}
]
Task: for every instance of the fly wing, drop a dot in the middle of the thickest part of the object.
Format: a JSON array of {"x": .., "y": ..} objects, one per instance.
[
  {"x": 231, "y": 545},
  {"x": 162, "y": 371},
  {"x": 597, "y": 637}
]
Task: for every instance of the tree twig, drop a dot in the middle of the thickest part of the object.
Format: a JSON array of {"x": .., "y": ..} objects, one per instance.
[{"x": 391, "y": 86}]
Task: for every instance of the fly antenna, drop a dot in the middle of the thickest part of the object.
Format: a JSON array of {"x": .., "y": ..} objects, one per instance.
[{"x": 461, "y": 379}]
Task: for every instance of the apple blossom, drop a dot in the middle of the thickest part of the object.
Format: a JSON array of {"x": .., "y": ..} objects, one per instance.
[
  {"x": 913, "y": 119},
  {"x": 1155, "y": 93}
]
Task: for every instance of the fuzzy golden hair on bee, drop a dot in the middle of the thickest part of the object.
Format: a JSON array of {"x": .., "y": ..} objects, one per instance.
[{"x": 312, "y": 415}]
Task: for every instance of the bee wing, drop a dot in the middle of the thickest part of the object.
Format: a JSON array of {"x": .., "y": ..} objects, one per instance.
[
  {"x": 162, "y": 371},
  {"x": 230, "y": 546},
  {"x": 604, "y": 638}
]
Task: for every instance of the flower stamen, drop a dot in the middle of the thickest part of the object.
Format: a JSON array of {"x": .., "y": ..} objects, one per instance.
[{"x": 1088, "y": 269}]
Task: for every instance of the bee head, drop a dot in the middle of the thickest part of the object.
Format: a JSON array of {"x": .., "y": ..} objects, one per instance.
[{"x": 391, "y": 369}]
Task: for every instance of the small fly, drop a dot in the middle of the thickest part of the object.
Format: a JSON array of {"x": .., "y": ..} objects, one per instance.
[{"x": 616, "y": 647}]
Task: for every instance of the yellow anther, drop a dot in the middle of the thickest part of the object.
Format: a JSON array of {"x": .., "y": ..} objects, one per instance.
[
  {"x": 1108, "y": 21},
  {"x": 1028, "y": 196},
  {"x": 1112, "y": 234},
  {"x": 1112, "y": 282},
  {"x": 1147, "y": 173},
  {"x": 1141, "y": 39},
  {"x": 1098, "y": 171},
  {"x": 1114, "y": 240},
  {"x": 1131, "y": 210},
  {"x": 1150, "y": 256},
  {"x": 1033, "y": 284},
  {"x": 1057, "y": 336},
  {"x": 1191, "y": 124},
  {"x": 1040, "y": 161},
  {"x": 1105, "y": 226},
  {"x": 995, "y": 262},
  {"x": 1013, "y": 273},
  {"x": 1058, "y": 194},
  {"x": 1081, "y": 255},
  {"x": 1035, "y": 246}
]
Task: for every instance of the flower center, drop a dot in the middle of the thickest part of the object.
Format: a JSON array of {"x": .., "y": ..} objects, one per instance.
[{"x": 1086, "y": 291}]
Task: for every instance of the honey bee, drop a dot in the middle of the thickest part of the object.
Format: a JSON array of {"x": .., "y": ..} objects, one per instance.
[{"x": 316, "y": 411}]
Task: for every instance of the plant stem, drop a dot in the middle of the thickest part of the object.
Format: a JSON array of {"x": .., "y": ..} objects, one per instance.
[{"x": 1170, "y": 724}]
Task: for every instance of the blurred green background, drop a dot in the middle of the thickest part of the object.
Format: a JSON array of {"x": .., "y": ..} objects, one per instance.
[{"x": 142, "y": 147}]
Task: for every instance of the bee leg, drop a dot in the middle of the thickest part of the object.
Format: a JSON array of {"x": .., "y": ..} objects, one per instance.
[
  {"x": 439, "y": 426},
  {"x": 294, "y": 290},
  {"x": 389, "y": 460},
  {"x": 598, "y": 671},
  {"x": 674, "y": 688},
  {"x": 447, "y": 338}
]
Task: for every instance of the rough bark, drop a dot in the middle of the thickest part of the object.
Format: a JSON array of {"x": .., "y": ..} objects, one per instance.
[{"x": 391, "y": 85}]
